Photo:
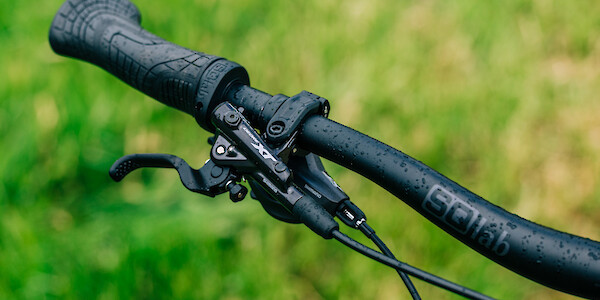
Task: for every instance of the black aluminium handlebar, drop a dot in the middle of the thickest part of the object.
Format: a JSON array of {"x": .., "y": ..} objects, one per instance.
[
  {"x": 107, "y": 33},
  {"x": 556, "y": 259}
]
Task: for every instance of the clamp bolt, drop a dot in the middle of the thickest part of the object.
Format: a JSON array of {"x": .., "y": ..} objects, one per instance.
[
  {"x": 276, "y": 128},
  {"x": 232, "y": 119}
]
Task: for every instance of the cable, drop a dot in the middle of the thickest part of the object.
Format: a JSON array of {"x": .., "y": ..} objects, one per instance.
[
  {"x": 369, "y": 232},
  {"x": 398, "y": 265},
  {"x": 354, "y": 217}
]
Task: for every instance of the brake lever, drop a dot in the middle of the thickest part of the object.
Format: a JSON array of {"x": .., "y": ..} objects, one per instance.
[
  {"x": 209, "y": 180},
  {"x": 310, "y": 198}
]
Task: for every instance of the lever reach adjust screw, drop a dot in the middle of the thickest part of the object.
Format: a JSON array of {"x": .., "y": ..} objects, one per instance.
[{"x": 237, "y": 192}]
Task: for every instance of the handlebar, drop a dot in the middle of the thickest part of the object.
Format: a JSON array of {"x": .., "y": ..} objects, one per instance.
[
  {"x": 107, "y": 33},
  {"x": 556, "y": 259}
]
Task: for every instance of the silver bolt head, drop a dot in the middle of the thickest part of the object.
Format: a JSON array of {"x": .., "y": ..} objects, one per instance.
[{"x": 220, "y": 150}]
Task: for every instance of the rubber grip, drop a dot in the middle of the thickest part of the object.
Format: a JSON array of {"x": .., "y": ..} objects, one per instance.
[{"x": 107, "y": 33}]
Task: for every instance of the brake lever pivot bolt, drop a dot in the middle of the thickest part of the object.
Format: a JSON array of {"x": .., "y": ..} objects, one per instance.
[{"x": 216, "y": 171}]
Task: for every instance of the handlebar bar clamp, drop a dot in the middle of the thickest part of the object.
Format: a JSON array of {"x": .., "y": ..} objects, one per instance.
[{"x": 292, "y": 113}]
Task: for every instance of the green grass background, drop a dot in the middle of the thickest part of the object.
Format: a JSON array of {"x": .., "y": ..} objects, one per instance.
[{"x": 501, "y": 96}]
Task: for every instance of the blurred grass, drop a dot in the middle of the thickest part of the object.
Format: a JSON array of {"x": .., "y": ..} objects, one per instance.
[{"x": 499, "y": 96}]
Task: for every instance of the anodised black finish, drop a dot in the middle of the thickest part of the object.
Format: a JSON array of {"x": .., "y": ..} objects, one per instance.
[
  {"x": 244, "y": 138},
  {"x": 556, "y": 259},
  {"x": 269, "y": 173},
  {"x": 292, "y": 113},
  {"x": 209, "y": 180}
]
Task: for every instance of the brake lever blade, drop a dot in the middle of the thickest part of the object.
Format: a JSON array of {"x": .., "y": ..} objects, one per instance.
[{"x": 128, "y": 163}]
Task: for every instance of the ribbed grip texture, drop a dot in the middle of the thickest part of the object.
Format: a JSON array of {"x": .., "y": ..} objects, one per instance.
[{"x": 107, "y": 33}]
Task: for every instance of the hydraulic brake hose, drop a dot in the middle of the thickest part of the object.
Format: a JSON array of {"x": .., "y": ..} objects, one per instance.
[{"x": 556, "y": 259}]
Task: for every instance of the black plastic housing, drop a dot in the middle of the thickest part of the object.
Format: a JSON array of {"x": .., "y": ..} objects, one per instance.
[{"x": 315, "y": 217}]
